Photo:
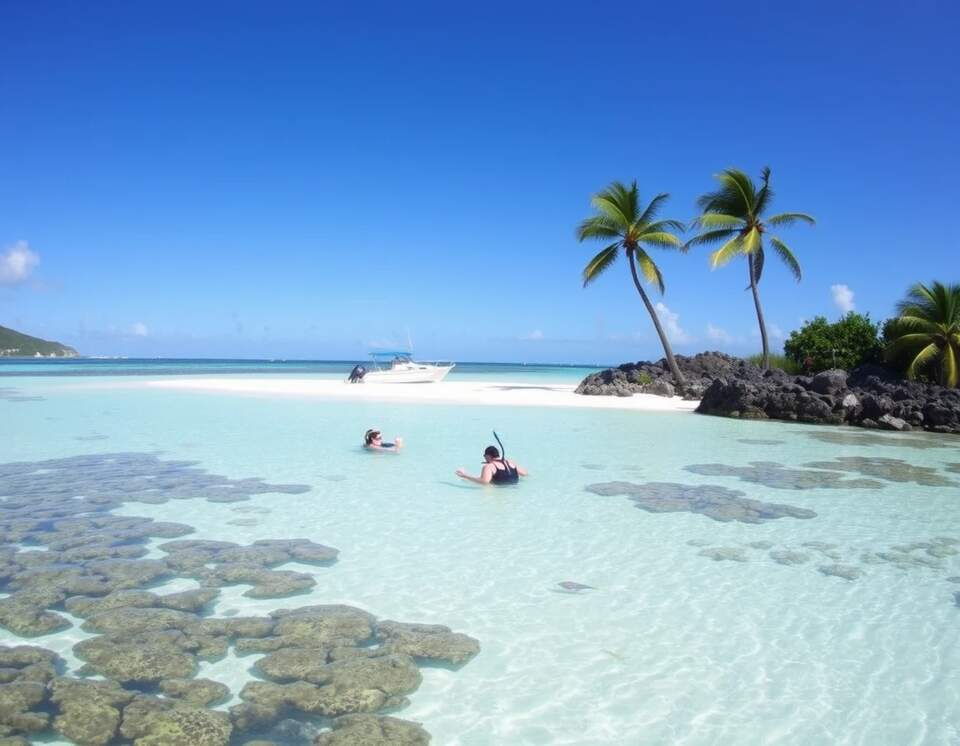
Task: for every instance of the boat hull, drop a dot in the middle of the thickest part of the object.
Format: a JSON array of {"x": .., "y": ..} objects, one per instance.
[{"x": 412, "y": 374}]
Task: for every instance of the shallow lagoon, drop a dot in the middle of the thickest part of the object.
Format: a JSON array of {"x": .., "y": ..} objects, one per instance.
[{"x": 693, "y": 632}]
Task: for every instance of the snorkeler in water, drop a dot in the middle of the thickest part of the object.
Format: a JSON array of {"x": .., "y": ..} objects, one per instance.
[
  {"x": 497, "y": 469},
  {"x": 373, "y": 441}
]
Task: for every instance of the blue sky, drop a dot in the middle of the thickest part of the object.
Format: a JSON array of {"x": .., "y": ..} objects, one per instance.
[{"x": 309, "y": 180}]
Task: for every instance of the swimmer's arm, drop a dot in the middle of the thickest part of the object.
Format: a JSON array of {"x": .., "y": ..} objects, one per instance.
[
  {"x": 521, "y": 471},
  {"x": 486, "y": 474}
]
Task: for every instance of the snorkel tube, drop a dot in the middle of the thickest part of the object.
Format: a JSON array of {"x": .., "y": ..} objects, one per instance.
[{"x": 503, "y": 451}]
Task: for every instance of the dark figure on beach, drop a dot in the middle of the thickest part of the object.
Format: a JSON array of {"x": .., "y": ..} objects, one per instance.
[{"x": 496, "y": 470}]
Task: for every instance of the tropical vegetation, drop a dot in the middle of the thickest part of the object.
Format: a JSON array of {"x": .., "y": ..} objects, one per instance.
[
  {"x": 777, "y": 362},
  {"x": 629, "y": 227},
  {"x": 819, "y": 345},
  {"x": 925, "y": 336},
  {"x": 734, "y": 215}
]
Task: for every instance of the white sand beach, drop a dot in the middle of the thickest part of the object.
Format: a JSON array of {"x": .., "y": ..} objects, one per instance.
[{"x": 448, "y": 392}]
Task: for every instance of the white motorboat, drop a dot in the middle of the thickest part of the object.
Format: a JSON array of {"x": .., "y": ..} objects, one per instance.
[{"x": 399, "y": 367}]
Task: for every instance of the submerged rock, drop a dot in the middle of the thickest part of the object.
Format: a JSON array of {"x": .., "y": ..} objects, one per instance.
[
  {"x": 135, "y": 662},
  {"x": 372, "y": 730},
  {"x": 153, "y": 722},
  {"x": 195, "y": 691},
  {"x": 719, "y": 503},
  {"x": 777, "y": 476},
  {"x": 847, "y": 572},
  {"x": 786, "y": 557},
  {"x": 889, "y": 469},
  {"x": 90, "y": 711},
  {"x": 432, "y": 642},
  {"x": 719, "y": 554},
  {"x": 145, "y": 642}
]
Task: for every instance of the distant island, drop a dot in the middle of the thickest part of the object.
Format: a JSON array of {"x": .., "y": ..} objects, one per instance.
[{"x": 15, "y": 344}]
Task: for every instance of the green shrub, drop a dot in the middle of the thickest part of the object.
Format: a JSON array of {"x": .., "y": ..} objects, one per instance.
[
  {"x": 847, "y": 343},
  {"x": 780, "y": 362},
  {"x": 644, "y": 379}
]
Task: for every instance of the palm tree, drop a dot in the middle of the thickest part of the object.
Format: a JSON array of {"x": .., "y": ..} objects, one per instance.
[
  {"x": 734, "y": 214},
  {"x": 927, "y": 332},
  {"x": 621, "y": 220}
]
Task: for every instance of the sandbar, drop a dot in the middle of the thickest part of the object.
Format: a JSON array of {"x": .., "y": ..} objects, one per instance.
[{"x": 488, "y": 393}]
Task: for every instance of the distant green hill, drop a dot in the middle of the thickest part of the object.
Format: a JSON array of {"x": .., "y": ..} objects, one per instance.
[{"x": 15, "y": 344}]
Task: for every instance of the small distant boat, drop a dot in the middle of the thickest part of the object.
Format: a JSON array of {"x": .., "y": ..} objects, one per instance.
[{"x": 399, "y": 367}]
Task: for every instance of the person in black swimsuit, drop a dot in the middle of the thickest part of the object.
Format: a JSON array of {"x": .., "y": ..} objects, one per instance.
[{"x": 496, "y": 470}]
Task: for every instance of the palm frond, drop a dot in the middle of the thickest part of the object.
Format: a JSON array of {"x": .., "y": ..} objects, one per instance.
[
  {"x": 725, "y": 253},
  {"x": 765, "y": 195},
  {"x": 713, "y": 220},
  {"x": 612, "y": 209},
  {"x": 666, "y": 225},
  {"x": 735, "y": 195},
  {"x": 653, "y": 208},
  {"x": 751, "y": 241},
  {"x": 905, "y": 343},
  {"x": 600, "y": 263},
  {"x": 661, "y": 238},
  {"x": 949, "y": 368},
  {"x": 739, "y": 183},
  {"x": 789, "y": 218},
  {"x": 906, "y": 324},
  {"x": 787, "y": 256},
  {"x": 649, "y": 269},
  {"x": 710, "y": 237},
  {"x": 927, "y": 355},
  {"x": 919, "y": 302},
  {"x": 598, "y": 226},
  {"x": 759, "y": 259}
]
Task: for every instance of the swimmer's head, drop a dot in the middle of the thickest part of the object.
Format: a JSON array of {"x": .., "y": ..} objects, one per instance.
[
  {"x": 371, "y": 435},
  {"x": 491, "y": 453}
]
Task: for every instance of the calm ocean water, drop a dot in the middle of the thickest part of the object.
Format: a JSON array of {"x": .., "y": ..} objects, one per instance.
[
  {"x": 839, "y": 627},
  {"x": 318, "y": 368}
]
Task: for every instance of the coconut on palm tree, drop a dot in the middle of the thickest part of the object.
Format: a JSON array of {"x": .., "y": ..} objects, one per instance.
[
  {"x": 926, "y": 333},
  {"x": 629, "y": 229},
  {"x": 734, "y": 215}
]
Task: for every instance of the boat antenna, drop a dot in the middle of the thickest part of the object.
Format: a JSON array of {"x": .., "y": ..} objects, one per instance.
[{"x": 503, "y": 451}]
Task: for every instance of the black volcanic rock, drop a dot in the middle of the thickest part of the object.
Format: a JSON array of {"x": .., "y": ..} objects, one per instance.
[
  {"x": 869, "y": 396},
  {"x": 655, "y": 378}
]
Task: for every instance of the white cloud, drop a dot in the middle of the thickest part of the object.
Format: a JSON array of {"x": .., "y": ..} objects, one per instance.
[
  {"x": 533, "y": 336},
  {"x": 842, "y": 297},
  {"x": 716, "y": 334},
  {"x": 671, "y": 325},
  {"x": 16, "y": 263},
  {"x": 139, "y": 329}
]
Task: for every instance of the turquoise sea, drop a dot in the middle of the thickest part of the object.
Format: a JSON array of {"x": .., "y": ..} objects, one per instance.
[{"x": 749, "y": 582}]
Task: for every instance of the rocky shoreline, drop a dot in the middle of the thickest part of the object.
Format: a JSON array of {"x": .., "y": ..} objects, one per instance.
[{"x": 869, "y": 396}]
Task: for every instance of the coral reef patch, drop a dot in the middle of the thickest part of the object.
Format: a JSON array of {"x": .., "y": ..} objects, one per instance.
[
  {"x": 330, "y": 672},
  {"x": 719, "y": 503}
]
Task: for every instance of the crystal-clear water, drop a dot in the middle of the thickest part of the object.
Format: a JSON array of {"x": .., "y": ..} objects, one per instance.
[{"x": 669, "y": 646}]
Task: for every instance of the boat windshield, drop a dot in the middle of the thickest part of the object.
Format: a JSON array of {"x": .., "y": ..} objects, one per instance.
[{"x": 391, "y": 358}]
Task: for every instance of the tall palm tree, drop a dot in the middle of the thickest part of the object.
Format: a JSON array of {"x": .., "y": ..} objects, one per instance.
[
  {"x": 927, "y": 332},
  {"x": 734, "y": 214},
  {"x": 621, "y": 220}
]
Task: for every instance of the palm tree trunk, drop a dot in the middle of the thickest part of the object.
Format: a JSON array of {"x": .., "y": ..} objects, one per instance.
[
  {"x": 765, "y": 363},
  {"x": 674, "y": 368}
]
